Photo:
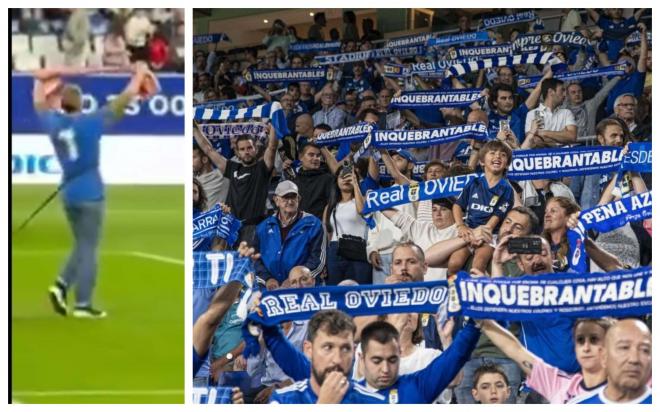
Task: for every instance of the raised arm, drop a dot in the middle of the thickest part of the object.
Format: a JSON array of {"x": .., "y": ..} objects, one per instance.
[
  {"x": 271, "y": 149},
  {"x": 399, "y": 178},
  {"x": 117, "y": 106},
  {"x": 508, "y": 344},
  {"x": 644, "y": 48},
  {"x": 533, "y": 98},
  {"x": 593, "y": 14},
  {"x": 218, "y": 160},
  {"x": 208, "y": 322}
]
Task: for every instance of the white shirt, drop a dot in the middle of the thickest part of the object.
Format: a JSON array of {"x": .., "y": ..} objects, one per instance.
[
  {"x": 348, "y": 221},
  {"x": 553, "y": 120}
]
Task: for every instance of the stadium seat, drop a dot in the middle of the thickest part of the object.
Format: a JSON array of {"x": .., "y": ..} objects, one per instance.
[
  {"x": 44, "y": 44},
  {"x": 27, "y": 61},
  {"x": 98, "y": 44},
  {"x": 20, "y": 43},
  {"x": 54, "y": 59}
]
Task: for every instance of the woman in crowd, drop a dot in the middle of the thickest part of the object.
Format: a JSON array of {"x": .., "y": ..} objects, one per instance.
[{"x": 557, "y": 211}]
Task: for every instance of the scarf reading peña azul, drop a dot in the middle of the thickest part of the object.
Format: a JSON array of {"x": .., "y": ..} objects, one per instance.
[
  {"x": 435, "y": 98},
  {"x": 450, "y": 39},
  {"x": 508, "y": 19},
  {"x": 370, "y": 54},
  {"x": 210, "y": 38},
  {"x": 314, "y": 46},
  {"x": 358, "y": 131},
  {"x": 533, "y": 297},
  {"x": 272, "y": 110},
  {"x": 399, "y": 139},
  {"x": 614, "y": 70},
  {"x": 605, "y": 218},
  {"x": 214, "y": 269},
  {"x": 311, "y": 74},
  {"x": 557, "y": 163},
  {"x": 531, "y": 58}
]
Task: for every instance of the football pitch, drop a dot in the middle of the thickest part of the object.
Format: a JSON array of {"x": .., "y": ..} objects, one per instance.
[{"x": 136, "y": 354}]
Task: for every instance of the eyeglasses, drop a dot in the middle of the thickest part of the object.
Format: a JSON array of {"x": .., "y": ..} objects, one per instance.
[{"x": 626, "y": 104}]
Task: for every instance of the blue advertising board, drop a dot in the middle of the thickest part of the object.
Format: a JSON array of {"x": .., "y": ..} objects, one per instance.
[{"x": 163, "y": 114}]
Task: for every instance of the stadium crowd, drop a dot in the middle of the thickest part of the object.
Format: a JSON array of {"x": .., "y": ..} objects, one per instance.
[
  {"x": 45, "y": 38},
  {"x": 302, "y": 205}
]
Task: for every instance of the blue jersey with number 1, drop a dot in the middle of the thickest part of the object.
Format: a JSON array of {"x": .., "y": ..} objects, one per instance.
[{"x": 76, "y": 139}]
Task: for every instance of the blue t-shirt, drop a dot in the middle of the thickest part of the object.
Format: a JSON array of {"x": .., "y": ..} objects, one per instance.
[
  {"x": 597, "y": 397},
  {"x": 516, "y": 120},
  {"x": 552, "y": 341},
  {"x": 357, "y": 85},
  {"x": 632, "y": 83},
  {"x": 614, "y": 34},
  {"x": 479, "y": 202},
  {"x": 301, "y": 392},
  {"x": 75, "y": 138}
]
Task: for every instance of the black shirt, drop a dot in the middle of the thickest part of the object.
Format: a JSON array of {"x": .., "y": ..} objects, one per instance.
[
  {"x": 248, "y": 190},
  {"x": 314, "y": 187}
]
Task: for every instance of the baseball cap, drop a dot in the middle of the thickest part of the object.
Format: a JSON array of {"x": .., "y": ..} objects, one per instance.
[
  {"x": 285, "y": 187},
  {"x": 405, "y": 154}
]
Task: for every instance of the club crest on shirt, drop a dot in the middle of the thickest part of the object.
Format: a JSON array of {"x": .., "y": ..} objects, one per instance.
[
  {"x": 394, "y": 396},
  {"x": 494, "y": 200}
]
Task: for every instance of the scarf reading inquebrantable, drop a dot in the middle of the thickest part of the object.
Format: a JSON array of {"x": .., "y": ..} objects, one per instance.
[
  {"x": 215, "y": 223},
  {"x": 370, "y": 54},
  {"x": 314, "y": 46},
  {"x": 531, "y": 58},
  {"x": 399, "y": 139},
  {"x": 210, "y": 38},
  {"x": 614, "y": 70},
  {"x": 435, "y": 98},
  {"x": 478, "y": 52},
  {"x": 358, "y": 131},
  {"x": 310, "y": 74},
  {"x": 272, "y": 111},
  {"x": 576, "y": 295},
  {"x": 605, "y": 218},
  {"x": 213, "y": 269},
  {"x": 284, "y": 305},
  {"x": 507, "y": 19}
]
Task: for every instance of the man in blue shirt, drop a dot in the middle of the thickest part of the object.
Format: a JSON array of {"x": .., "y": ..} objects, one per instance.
[
  {"x": 329, "y": 346},
  {"x": 615, "y": 28},
  {"x": 76, "y": 139},
  {"x": 504, "y": 115},
  {"x": 627, "y": 359}
]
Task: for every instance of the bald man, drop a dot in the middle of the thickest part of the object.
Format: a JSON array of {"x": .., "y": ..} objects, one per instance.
[{"x": 627, "y": 361}]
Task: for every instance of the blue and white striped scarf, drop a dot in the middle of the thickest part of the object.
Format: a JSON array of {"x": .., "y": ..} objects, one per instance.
[
  {"x": 575, "y": 295},
  {"x": 435, "y": 98},
  {"x": 528, "y": 82},
  {"x": 314, "y": 46},
  {"x": 399, "y": 139},
  {"x": 237, "y": 103},
  {"x": 451, "y": 39},
  {"x": 272, "y": 111},
  {"x": 311, "y": 74},
  {"x": 606, "y": 218},
  {"x": 370, "y": 54},
  {"x": 532, "y": 58},
  {"x": 507, "y": 19},
  {"x": 215, "y": 133},
  {"x": 214, "y": 269}
]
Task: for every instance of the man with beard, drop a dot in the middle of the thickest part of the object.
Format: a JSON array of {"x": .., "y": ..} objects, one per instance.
[
  {"x": 314, "y": 183},
  {"x": 585, "y": 112},
  {"x": 627, "y": 360},
  {"x": 329, "y": 346},
  {"x": 249, "y": 178}
]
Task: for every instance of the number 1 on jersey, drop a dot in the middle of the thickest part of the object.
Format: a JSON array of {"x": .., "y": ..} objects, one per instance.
[{"x": 68, "y": 137}]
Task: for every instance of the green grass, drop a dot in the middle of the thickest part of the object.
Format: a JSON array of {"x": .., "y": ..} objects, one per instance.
[{"x": 136, "y": 355}]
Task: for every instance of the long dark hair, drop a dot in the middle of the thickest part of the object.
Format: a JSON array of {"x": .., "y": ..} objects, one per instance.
[
  {"x": 201, "y": 199},
  {"x": 335, "y": 197}
]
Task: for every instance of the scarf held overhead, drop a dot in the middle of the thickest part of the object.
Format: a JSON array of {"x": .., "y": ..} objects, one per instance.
[
  {"x": 531, "y": 298},
  {"x": 614, "y": 70},
  {"x": 603, "y": 219},
  {"x": 435, "y": 98},
  {"x": 399, "y": 139},
  {"x": 312, "y": 74},
  {"x": 507, "y": 19},
  {"x": 272, "y": 111},
  {"x": 214, "y": 269}
]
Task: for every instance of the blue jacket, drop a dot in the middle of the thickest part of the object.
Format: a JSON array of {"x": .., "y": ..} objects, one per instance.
[{"x": 303, "y": 246}]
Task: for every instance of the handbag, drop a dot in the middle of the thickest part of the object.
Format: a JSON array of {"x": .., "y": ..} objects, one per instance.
[{"x": 350, "y": 247}]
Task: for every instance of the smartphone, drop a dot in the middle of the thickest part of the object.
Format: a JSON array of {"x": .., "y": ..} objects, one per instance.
[
  {"x": 346, "y": 168},
  {"x": 504, "y": 124},
  {"x": 525, "y": 245},
  {"x": 539, "y": 116}
]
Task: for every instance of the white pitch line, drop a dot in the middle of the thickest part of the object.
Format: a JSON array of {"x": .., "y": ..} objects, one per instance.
[
  {"x": 157, "y": 258},
  {"x": 92, "y": 392}
]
